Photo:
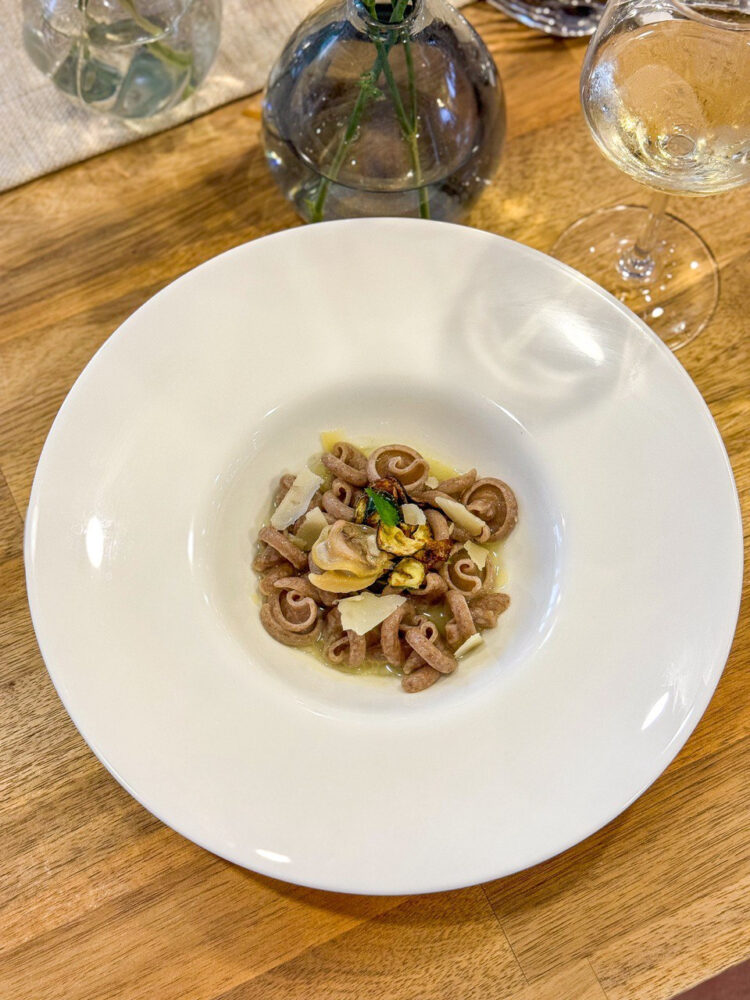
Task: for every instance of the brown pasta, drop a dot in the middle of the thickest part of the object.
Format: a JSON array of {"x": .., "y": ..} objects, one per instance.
[
  {"x": 347, "y": 463},
  {"x": 413, "y": 662},
  {"x": 331, "y": 628},
  {"x": 369, "y": 547},
  {"x": 438, "y": 523},
  {"x": 424, "y": 496},
  {"x": 266, "y": 558},
  {"x": 460, "y": 534},
  {"x": 303, "y": 585},
  {"x": 268, "y": 579},
  {"x": 495, "y": 503},
  {"x": 284, "y": 546},
  {"x": 283, "y": 488},
  {"x": 272, "y": 619},
  {"x": 430, "y": 651},
  {"x": 487, "y": 608},
  {"x": 458, "y": 485},
  {"x": 293, "y": 611},
  {"x": 462, "y": 573},
  {"x": 340, "y": 499},
  {"x": 462, "y": 619},
  {"x": 420, "y": 680},
  {"x": 432, "y": 590},
  {"x": 392, "y": 633},
  {"x": 401, "y": 462},
  {"x": 348, "y": 647}
]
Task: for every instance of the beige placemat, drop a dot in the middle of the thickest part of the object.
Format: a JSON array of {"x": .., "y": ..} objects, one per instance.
[{"x": 42, "y": 130}]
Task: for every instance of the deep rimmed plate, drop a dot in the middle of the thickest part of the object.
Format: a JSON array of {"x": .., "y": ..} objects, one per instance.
[{"x": 624, "y": 571}]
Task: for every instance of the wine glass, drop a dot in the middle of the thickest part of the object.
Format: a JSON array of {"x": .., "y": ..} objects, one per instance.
[{"x": 665, "y": 89}]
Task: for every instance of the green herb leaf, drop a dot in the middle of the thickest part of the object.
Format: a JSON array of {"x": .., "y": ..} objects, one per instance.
[{"x": 384, "y": 506}]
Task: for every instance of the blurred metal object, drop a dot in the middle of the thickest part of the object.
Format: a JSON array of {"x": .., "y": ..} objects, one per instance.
[{"x": 562, "y": 18}]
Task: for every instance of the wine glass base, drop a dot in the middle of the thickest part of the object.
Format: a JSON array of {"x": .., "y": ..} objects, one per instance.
[{"x": 677, "y": 296}]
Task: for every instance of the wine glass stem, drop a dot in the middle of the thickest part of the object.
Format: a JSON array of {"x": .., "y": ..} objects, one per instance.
[{"x": 637, "y": 263}]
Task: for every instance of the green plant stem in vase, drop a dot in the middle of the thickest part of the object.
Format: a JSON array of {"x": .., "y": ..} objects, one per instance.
[{"x": 390, "y": 108}]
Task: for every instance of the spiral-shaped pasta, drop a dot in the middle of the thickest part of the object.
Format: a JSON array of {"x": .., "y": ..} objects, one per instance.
[
  {"x": 348, "y": 648},
  {"x": 278, "y": 572},
  {"x": 495, "y": 503},
  {"x": 291, "y": 618},
  {"x": 398, "y": 461},
  {"x": 302, "y": 585},
  {"x": 431, "y": 590},
  {"x": 293, "y": 610},
  {"x": 425, "y": 640},
  {"x": 462, "y": 573},
  {"x": 340, "y": 500},
  {"x": 347, "y": 463}
]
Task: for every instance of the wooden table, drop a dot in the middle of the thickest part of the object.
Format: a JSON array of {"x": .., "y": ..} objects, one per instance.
[{"x": 100, "y": 900}]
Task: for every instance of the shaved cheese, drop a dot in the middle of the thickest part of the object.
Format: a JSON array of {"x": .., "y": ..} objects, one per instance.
[
  {"x": 466, "y": 647},
  {"x": 460, "y": 514},
  {"x": 413, "y": 514},
  {"x": 431, "y": 482},
  {"x": 477, "y": 553},
  {"x": 365, "y": 611},
  {"x": 310, "y": 529},
  {"x": 297, "y": 500}
]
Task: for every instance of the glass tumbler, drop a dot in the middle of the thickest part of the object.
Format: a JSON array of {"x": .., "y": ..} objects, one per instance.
[{"x": 128, "y": 58}]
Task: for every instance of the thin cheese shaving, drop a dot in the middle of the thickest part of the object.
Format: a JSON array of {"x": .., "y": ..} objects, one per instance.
[
  {"x": 310, "y": 529},
  {"x": 297, "y": 500},
  {"x": 364, "y": 611},
  {"x": 477, "y": 553},
  {"x": 460, "y": 515},
  {"x": 471, "y": 643},
  {"x": 413, "y": 514}
]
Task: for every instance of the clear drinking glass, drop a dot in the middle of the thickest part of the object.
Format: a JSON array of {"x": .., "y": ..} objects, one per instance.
[
  {"x": 129, "y": 58},
  {"x": 665, "y": 90}
]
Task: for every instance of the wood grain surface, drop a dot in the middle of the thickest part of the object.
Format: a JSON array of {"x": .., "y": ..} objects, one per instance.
[{"x": 98, "y": 900}]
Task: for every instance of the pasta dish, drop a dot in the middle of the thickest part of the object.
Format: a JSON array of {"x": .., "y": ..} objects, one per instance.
[{"x": 374, "y": 563}]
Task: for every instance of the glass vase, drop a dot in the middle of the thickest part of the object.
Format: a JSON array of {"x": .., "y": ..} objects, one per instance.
[{"x": 391, "y": 108}]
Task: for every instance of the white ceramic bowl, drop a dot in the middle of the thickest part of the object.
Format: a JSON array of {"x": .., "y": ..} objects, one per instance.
[{"x": 624, "y": 569}]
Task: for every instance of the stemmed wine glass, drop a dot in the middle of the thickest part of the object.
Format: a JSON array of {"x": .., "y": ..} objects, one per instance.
[{"x": 665, "y": 89}]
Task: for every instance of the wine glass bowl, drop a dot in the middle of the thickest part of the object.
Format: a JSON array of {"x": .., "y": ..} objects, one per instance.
[
  {"x": 665, "y": 91},
  {"x": 668, "y": 100}
]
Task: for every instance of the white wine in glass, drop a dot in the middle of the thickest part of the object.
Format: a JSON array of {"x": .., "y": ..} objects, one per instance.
[{"x": 665, "y": 90}]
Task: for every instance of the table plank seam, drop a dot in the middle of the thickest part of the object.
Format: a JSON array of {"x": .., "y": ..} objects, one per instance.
[
  {"x": 596, "y": 976},
  {"x": 504, "y": 933}
]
